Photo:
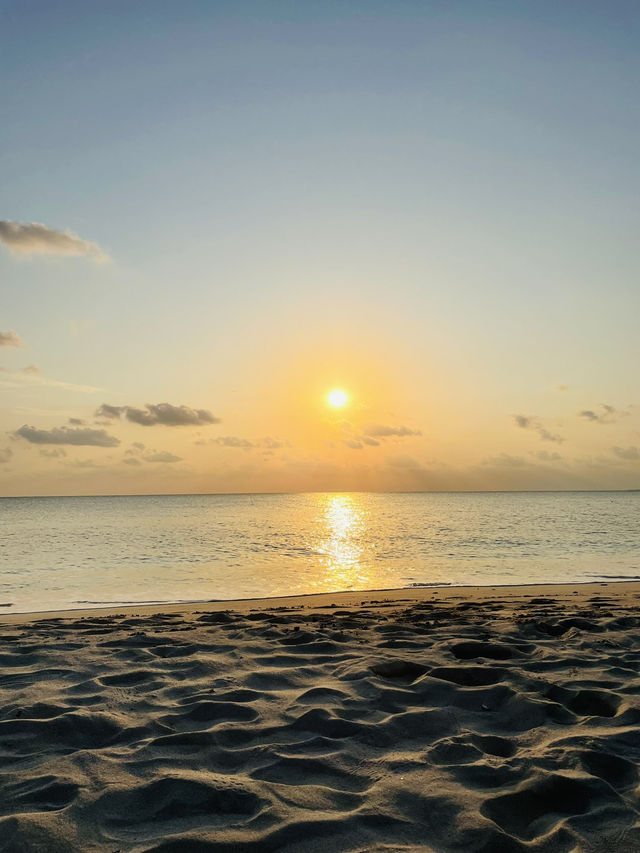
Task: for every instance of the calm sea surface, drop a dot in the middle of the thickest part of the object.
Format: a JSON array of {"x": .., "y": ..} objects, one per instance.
[{"x": 89, "y": 551}]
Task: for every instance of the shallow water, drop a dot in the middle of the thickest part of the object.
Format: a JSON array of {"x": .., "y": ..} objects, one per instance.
[{"x": 88, "y": 551}]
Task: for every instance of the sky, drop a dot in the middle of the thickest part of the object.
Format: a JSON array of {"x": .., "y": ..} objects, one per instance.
[{"x": 214, "y": 213}]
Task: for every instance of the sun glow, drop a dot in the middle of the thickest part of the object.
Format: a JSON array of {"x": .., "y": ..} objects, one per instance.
[{"x": 337, "y": 398}]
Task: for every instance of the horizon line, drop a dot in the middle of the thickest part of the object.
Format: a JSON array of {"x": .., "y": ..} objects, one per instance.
[{"x": 327, "y": 492}]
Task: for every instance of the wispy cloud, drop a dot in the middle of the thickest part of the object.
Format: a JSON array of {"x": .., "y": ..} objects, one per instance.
[
  {"x": 267, "y": 443},
  {"x": 505, "y": 460},
  {"x": 67, "y": 435},
  {"x": 34, "y": 238},
  {"x": 353, "y": 443},
  {"x": 10, "y": 339},
  {"x": 138, "y": 453},
  {"x": 234, "y": 441},
  {"x": 274, "y": 443},
  {"x": 372, "y": 442},
  {"x": 5, "y": 455},
  {"x": 383, "y": 431},
  {"x": 545, "y": 456},
  {"x": 84, "y": 463},
  {"x": 163, "y": 414},
  {"x": 533, "y": 423},
  {"x": 162, "y": 456},
  {"x": 373, "y": 435},
  {"x": 608, "y": 415},
  {"x": 54, "y": 453},
  {"x": 32, "y": 376},
  {"x": 629, "y": 454}
]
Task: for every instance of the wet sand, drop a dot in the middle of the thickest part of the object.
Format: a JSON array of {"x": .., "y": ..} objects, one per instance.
[{"x": 495, "y": 720}]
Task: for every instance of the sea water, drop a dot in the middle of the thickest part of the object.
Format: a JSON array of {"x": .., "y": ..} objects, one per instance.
[{"x": 77, "y": 552}]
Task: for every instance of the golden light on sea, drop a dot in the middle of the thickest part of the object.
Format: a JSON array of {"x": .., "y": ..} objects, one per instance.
[
  {"x": 341, "y": 546},
  {"x": 337, "y": 398}
]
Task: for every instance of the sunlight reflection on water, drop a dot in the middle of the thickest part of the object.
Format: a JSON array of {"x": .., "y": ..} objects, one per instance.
[{"x": 344, "y": 520}]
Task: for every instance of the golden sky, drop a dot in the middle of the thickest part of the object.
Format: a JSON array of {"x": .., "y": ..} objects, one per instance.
[{"x": 213, "y": 222}]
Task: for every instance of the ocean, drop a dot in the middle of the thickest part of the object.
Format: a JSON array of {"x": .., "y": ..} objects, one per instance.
[{"x": 79, "y": 552}]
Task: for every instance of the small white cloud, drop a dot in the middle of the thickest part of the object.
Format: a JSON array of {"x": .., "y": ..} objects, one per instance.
[
  {"x": 10, "y": 339},
  {"x": 34, "y": 238}
]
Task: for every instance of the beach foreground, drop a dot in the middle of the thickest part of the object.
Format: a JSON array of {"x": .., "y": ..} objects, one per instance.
[{"x": 494, "y": 720}]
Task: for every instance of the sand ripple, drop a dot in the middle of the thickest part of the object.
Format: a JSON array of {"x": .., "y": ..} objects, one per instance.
[{"x": 507, "y": 727}]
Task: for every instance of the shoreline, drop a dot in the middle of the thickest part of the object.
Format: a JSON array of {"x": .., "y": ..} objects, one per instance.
[{"x": 318, "y": 599}]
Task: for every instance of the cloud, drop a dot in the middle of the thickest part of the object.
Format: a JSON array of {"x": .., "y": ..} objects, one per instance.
[
  {"x": 77, "y": 422},
  {"x": 631, "y": 454},
  {"x": 545, "y": 456},
  {"x": 33, "y": 238},
  {"x": 85, "y": 463},
  {"x": 505, "y": 460},
  {"x": 54, "y": 453},
  {"x": 135, "y": 449},
  {"x": 545, "y": 435},
  {"x": 107, "y": 411},
  {"x": 67, "y": 435},
  {"x": 5, "y": 455},
  {"x": 610, "y": 415},
  {"x": 244, "y": 443},
  {"x": 234, "y": 441},
  {"x": 523, "y": 421},
  {"x": 163, "y": 414},
  {"x": 32, "y": 376},
  {"x": 531, "y": 422},
  {"x": 10, "y": 339},
  {"x": 382, "y": 431},
  {"x": 162, "y": 456},
  {"x": 356, "y": 440},
  {"x": 137, "y": 453},
  {"x": 274, "y": 443}
]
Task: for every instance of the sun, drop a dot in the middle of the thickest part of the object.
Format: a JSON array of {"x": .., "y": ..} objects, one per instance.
[{"x": 337, "y": 398}]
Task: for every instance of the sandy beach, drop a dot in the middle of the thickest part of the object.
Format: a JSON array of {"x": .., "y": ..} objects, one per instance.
[{"x": 494, "y": 720}]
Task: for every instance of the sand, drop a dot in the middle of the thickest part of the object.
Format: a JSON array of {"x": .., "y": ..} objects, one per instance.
[{"x": 493, "y": 720}]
